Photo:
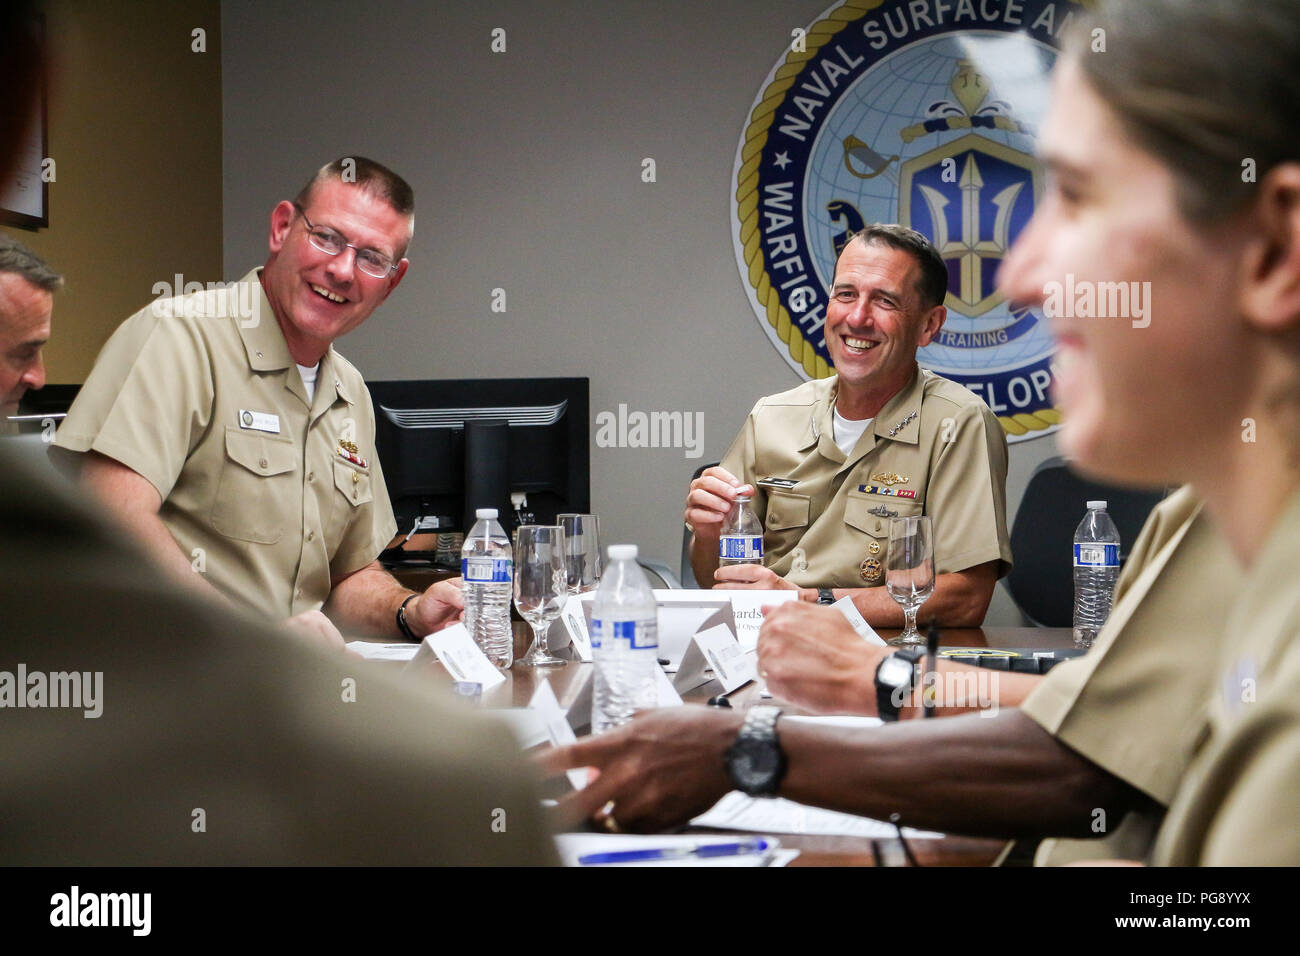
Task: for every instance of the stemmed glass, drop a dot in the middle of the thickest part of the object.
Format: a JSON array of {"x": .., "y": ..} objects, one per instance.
[
  {"x": 581, "y": 551},
  {"x": 540, "y": 586},
  {"x": 909, "y": 570}
]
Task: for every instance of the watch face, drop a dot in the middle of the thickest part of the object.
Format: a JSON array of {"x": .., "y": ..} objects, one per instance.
[
  {"x": 755, "y": 763},
  {"x": 895, "y": 672}
]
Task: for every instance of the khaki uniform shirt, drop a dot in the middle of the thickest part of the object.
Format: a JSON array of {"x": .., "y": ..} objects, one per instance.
[
  {"x": 213, "y": 739},
  {"x": 1240, "y": 801},
  {"x": 200, "y": 396},
  {"x": 1133, "y": 703},
  {"x": 934, "y": 449}
]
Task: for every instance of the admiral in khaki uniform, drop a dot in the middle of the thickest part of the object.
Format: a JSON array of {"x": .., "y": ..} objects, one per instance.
[
  {"x": 200, "y": 396},
  {"x": 934, "y": 449},
  {"x": 830, "y": 462},
  {"x": 203, "y": 437}
]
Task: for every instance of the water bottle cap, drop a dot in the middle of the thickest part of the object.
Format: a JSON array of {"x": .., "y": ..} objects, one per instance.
[
  {"x": 486, "y": 513},
  {"x": 621, "y": 552},
  {"x": 743, "y": 497},
  {"x": 1096, "y": 506}
]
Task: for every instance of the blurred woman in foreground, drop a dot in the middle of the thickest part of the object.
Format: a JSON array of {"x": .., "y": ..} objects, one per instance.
[{"x": 1175, "y": 167}]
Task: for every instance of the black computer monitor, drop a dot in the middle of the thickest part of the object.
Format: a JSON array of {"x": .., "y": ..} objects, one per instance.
[
  {"x": 451, "y": 446},
  {"x": 52, "y": 399}
]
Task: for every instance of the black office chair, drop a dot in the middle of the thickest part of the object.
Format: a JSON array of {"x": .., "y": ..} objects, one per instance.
[
  {"x": 688, "y": 575},
  {"x": 1055, "y": 500}
]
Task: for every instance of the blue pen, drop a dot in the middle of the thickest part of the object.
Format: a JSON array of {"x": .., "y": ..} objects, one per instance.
[{"x": 699, "y": 850}]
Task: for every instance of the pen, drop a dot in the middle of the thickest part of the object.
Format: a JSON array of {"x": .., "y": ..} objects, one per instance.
[
  {"x": 699, "y": 850},
  {"x": 931, "y": 648}
]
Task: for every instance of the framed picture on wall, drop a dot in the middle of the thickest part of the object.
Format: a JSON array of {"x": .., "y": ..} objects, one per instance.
[{"x": 25, "y": 195}]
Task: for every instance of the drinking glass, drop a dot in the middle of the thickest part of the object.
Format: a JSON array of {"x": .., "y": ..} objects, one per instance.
[
  {"x": 909, "y": 570},
  {"x": 540, "y": 586},
  {"x": 581, "y": 551}
]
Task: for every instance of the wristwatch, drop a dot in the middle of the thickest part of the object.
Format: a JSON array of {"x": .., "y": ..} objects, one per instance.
[
  {"x": 825, "y": 596},
  {"x": 895, "y": 678},
  {"x": 755, "y": 761},
  {"x": 401, "y": 620}
]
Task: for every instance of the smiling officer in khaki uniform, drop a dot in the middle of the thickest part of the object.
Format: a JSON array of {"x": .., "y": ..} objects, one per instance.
[
  {"x": 881, "y": 438},
  {"x": 227, "y": 460}
]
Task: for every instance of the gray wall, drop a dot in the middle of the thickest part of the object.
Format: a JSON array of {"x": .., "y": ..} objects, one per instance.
[{"x": 527, "y": 172}]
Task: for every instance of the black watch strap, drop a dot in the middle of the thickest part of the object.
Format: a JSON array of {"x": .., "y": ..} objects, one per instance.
[
  {"x": 825, "y": 596},
  {"x": 887, "y": 707},
  {"x": 401, "y": 619}
]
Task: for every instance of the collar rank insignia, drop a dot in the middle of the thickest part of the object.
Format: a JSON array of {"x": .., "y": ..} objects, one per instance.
[
  {"x": 890, "y": 478},
  {"x": 901, "y": 425},
  {"x": 348, "y": 451}
]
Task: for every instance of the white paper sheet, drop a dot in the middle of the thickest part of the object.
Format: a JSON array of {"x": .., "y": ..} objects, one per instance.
[
  {"x": 737, "y": 811},
  {"x": 851, "y": 613},
  {"x": 383, "y": 652}
]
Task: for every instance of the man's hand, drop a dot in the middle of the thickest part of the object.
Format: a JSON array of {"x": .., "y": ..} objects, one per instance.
[
  {"x": 710, "y": 499},
  {"x": 441, "y": 605},
  {"x": 812, "y": 657},
  {"x": 318, "y": 630},
  {"x": 662, "y": 769},
  {"x": 751, "y": 577}
]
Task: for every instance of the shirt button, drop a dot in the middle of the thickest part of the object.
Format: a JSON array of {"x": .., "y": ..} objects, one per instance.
[
  {"x": 311, "y": 535},
  {"x": 311, "y": 476},
  {"x": 774, "y": 516},
  {"x": 262, "y": 463}
]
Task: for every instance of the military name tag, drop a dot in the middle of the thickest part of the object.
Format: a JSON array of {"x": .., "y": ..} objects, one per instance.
[
  {"x": 780, "y": 483},
  {"x": 259, "y": 421}
]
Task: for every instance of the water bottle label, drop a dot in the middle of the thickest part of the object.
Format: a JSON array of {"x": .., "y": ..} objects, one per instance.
[
  {"x": 637, "y": 635},
  {"x": 485, "y": 570},
  {"x": 1096, "y": 556},
  {"x": 740, "y": 546}
]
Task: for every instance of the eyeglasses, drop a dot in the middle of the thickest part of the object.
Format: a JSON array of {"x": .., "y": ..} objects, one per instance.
[{"x": 369, "y": 261}]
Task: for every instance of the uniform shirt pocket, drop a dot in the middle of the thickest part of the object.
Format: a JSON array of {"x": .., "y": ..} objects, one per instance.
[
  {"x": 353, "y": 483},
  {"x": 859, "y": 505},
  {"x": 256, "y": 491},
  {"x": 786, "y": 510}
]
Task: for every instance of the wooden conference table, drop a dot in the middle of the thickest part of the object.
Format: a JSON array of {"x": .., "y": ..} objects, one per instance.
[{"x": 817, "y": 850}]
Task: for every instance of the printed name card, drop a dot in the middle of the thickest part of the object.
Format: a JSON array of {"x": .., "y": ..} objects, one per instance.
[
  {"x": 462, "y": 657},
  {"x": 573, "y": 621},
  {"x": 715, "y": 648},
  {"x": 668, "y": 696},
  {"x": 558, "y": 731},
  {"x": 747, "y": 609},
  {"x": 865, "y": 631}
]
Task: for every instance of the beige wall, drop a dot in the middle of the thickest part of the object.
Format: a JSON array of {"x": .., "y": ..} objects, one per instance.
[{"x": 134, "y": 130}]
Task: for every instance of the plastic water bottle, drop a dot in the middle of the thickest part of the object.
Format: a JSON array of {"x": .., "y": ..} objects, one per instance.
[
  {"x": 1096, "y": 568},
  {"x": 624, "y": 641},
  {"x": 486, "y": 566},
  {"x": 741, "y": 541}
]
